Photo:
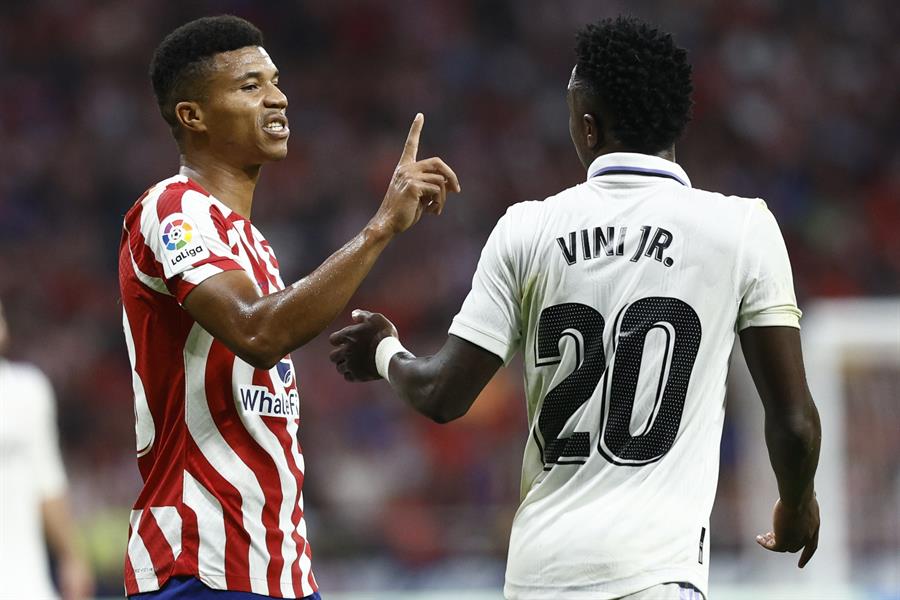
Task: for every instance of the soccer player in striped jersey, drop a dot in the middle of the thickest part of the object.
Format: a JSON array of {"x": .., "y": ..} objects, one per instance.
[
  {"x": 624, "y": 294},
  {"x": 209, "y": 325}
]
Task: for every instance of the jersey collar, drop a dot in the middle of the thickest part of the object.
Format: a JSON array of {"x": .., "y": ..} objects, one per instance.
[{"x": 631, "y": 163}]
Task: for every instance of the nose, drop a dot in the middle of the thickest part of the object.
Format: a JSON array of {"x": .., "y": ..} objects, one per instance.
[{"x": 275, "y": 98}]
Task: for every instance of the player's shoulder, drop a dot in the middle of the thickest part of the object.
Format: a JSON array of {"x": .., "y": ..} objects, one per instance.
[
  {"x": 522, "y": 222},
  {"x": 172, "y": 188},
  {"x": 528, "y": 221},
  {"x": 181, "y": 195},
  {"x": 520, "y": 212},
  {"x": 716, "y": 214},
  {"x": 538, "y": 210},
  {"x": 722, "y": 201},
  {"x": 171, "y": 199}
]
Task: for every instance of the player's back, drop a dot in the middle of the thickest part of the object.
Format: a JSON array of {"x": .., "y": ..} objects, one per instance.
[{"x": 631, "y": 287}]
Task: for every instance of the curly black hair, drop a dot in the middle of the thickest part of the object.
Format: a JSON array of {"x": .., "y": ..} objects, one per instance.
[
  {"x": 638, "y": 74},
  {"x": 178, "y": 64}
]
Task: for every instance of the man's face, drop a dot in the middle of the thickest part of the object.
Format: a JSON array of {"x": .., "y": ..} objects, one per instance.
[{"x": 243, "y": 109}]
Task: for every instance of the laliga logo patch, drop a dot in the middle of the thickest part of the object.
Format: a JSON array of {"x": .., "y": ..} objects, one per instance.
[
  {"x": 182, "y": 243},
  {"x": 285, "y": 372},
  {"x": 177, "y": 234}
]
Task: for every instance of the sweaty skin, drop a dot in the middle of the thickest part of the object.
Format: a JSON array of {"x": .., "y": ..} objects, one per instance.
[{"x": 225, "y": 137}]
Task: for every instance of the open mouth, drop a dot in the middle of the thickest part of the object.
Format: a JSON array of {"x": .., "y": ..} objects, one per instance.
[{"x": 277, "y": 126}]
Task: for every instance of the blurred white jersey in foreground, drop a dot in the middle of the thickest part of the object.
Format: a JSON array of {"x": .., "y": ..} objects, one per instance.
[
  {"x": 31, "y": 472},
  {"x": 624, "y": 294}
]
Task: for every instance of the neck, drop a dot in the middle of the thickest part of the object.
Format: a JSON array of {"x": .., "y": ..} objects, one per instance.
[
  {"x": 230, "y": 185},
  {"x": 668, "y": 153}
]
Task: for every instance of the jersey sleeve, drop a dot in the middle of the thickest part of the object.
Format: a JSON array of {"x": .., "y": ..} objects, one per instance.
[
  {"x": 768, "y": 287},
  {"x": 49, "y": 473},
  {"x": 189, "y": 238},
  {"x": 490, "y": 316}
]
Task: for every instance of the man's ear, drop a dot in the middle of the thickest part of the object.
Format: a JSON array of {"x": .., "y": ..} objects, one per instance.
[
  {"x": 593, "y": 131},
  {"x": 190, "y": 116}
]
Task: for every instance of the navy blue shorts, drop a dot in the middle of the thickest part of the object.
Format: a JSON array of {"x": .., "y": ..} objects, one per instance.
[{"x": 184, "y": 588}]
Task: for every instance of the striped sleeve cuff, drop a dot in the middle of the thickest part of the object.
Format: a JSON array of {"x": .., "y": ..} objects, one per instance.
[{"x": 187, "y": 281}]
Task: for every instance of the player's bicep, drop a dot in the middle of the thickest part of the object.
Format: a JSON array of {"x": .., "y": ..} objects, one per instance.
[
  {"x": 472, "y": 366},
  {"x": 225, "y": 305},
  {"x": 775, "y": 360}
]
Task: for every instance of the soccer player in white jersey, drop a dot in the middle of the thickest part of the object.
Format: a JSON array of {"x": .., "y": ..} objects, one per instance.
[
  {"x": 623, "y": 295},
  {"x": 34, "y": 504},
  {"x": 209, "y": 324}
]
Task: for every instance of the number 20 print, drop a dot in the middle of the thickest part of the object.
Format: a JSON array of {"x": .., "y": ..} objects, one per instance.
[{"x": 585, "y": 325}]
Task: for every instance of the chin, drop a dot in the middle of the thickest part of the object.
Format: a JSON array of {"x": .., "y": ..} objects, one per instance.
[
  {"x": 277, "y": 155},
  {"x": 274, "y": 154}
]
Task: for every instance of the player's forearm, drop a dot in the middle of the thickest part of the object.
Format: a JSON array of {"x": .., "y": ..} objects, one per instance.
[
  {"x": 73, "y": 571},
  {"x": 793, "y": 444},
  {"x": 58, "y": 527},
  {"x": 426, "y": 383},
  {"x": 288, "y": 319},
  {"x": 793, "y": 432}
]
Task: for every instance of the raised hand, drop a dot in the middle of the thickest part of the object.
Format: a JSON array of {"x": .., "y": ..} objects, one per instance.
[
  {"x": 793, "y": 529},
  {"x": 354, "y": 353},
  {"x": 416, "y": 186}
]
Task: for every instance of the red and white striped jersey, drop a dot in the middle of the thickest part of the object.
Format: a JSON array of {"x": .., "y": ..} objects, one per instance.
[{"x": 216, "y": 438}]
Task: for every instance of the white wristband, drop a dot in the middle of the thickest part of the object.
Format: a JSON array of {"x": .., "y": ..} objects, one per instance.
[{"x": 385, "y": 351}]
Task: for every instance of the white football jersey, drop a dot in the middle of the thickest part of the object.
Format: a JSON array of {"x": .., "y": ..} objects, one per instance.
[
  {"x": 624, "y": 294},
  {"x": 31, "y": 473}
]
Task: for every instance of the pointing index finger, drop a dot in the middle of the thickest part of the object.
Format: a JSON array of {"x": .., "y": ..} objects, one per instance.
[{"x": 411, "y": 148}]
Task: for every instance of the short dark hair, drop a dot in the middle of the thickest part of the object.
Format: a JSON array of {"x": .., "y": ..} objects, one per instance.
[
  {"x": 179, "y": 61},
  {"x": 638, "y": 74}
]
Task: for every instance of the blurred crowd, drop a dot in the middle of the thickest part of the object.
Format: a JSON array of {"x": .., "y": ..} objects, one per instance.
[{"x": 796, "y": 102}]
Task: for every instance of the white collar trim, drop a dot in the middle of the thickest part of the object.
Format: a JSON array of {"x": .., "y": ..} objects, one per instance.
[{"x": 632, "y": 163}]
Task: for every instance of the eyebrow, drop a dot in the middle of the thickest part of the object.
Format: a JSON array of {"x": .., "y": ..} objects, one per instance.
[{"x": 255, "y": 75}]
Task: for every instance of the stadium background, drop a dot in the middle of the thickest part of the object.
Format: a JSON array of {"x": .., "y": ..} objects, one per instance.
[{"x": 796, "y": 102}]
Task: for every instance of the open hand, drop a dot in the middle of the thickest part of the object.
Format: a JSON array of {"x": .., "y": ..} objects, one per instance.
[
  {"x": 354, "y": 353},
  {"x": 416, "y": 186},
  {"x": 793, "y": 529}
]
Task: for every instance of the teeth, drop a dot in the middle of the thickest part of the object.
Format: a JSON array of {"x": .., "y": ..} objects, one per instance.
[{"x": 275, "y": 127}]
